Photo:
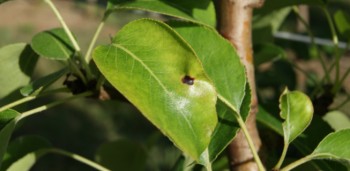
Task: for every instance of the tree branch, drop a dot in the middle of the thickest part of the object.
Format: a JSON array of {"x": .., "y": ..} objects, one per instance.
[{"x": 234, "y": 23}]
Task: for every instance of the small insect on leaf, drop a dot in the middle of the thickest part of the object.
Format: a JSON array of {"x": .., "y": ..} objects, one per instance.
[{"x": 188, "y": 80}]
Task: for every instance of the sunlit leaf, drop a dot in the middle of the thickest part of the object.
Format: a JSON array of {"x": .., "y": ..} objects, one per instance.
[
  {"x": 17, "y": 62},
  {"x": 296, "y": 110},
  {"x": 227, "y": 73},
  {"x": 317, "y": 130},
  {"x": 334, "y": 146},
  {"x": 27, "y": 161},
  {"x": 7, "y": 130},
  {"x": 37, "y": 86},
  {"x": 122, "y": 155},
  {"x": 161, "y": 75},
  {"x": 201, "y": 11},
  {"x": 337, "y": 120},
  {"x": 21, "y": 147},
  {"x": 53, "y": 44}
]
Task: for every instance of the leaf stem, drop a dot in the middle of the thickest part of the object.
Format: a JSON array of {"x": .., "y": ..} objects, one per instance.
[
  {"x": 79, "y": 158},
  {"x": 53, "y": 104},
  {"x": 17, "y": 102},
  {"x": 283, "y": 155},
  {"x": 64, "y": 25},
  {"x": 70, "y": 36},
  {"x": 336, "y": 46},
  {"x": 30, "y": 98},
  {"x": 250, "y": 143},
  {"x": 312, "y": 38},
  {"x": 94, "y": 38},
  {"x": 77, "y": 70},
  {"x": 297, "y": 163}
]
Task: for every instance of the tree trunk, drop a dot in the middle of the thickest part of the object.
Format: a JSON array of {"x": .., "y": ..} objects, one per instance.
[{"x": 234, "y": 23}]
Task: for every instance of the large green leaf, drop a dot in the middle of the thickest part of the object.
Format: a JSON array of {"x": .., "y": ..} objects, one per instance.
[
  {"x": 334, "y": 146},
  {"x": 53, "y": 44},
  {"x": 220, "y": 61},
  {"x": 38, "y": 85},
  {"x": 227, "y": 74},
  {"x": 201, "y": 11},
  {"x": 296, "y": 110},
  {"x": 7, "y": 130},
  {"x": 160, "y": 74},
  {"x": 21, "y": 147},
  {"x": 17, "y": 62},
  {"x": 122, "y": 155}
]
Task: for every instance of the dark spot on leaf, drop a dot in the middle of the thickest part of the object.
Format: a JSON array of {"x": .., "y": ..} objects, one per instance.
[{"x": 188, "y": 80}]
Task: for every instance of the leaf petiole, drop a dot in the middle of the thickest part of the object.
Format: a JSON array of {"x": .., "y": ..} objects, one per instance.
[
  {"x": 53, "y": 104},
  {"x": 250, "y": 143},
  {"x": 79, "y": 158},
  {"x": 71, "y": 38},
  {"x": 297, "y": 163}
]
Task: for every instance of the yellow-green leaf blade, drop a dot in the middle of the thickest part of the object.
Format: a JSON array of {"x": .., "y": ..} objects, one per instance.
[
  {"x": 334, "y": 146},
  {"x": 156, "y": 71},
  {"x": 296, "y": 110}
]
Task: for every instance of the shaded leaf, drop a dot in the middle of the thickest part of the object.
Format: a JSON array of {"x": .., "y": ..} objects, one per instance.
[
  {"x": 334, "y": 146},
  {"x": 122, "y": 155},
  {"x": 273, "y": 19},
  {"x": 39, "y": 85},
  {"x": 201, "y": 11},
  {"x": 53, "y": 44},
  {"x": 160, "y": 74},
  {"x": 271, "y": 5},
  {"x": 296, "y": 110},
  {"x": 342, "y": 21},
  {"x": 267, "y": 52},
  {"x": 21, "y": 147},
  {"x": 7, "y": 130},
  {"x": 17, "y": 62},
  {"x": 262, "y": 35},
  {"x": 269, "y": 121}
]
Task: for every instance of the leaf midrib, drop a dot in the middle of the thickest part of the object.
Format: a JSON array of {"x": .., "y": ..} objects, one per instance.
[{"x": 119, "y": 46}]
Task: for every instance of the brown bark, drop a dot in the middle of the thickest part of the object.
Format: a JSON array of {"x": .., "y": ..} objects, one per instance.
[{"x": 234, "y": 23}]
